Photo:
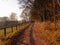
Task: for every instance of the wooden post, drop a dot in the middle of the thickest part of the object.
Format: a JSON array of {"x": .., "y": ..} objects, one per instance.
[
  {"x": 4, "y": 31},
  {"x": 12, "y": 29},
  {"x": 16, "y": 27},
  {"x": 19, "y": 27}
]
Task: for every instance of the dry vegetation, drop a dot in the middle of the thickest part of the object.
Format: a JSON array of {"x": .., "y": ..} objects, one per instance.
[
  {"x": 9, "y": 33},
  {"x": 48, "y": 31}
]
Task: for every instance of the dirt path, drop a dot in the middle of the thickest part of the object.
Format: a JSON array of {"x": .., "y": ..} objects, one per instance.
[{"x": 29, "y": 37}]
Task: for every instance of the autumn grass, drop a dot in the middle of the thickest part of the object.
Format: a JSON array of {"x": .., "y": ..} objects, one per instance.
[{"x": 48, "y": 31}]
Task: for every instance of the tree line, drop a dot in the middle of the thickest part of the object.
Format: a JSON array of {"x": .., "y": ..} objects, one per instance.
[{"x": 43, "y": 10}]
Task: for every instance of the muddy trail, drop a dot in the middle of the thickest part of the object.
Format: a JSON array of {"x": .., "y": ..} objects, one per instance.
[{"x": 29, "y": 36}]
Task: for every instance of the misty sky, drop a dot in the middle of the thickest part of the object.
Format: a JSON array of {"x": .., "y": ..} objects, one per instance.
[{"x": 9, "y": 6}]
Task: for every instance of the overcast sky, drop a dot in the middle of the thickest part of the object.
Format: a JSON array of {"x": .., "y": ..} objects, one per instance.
[{"x": 9, "y": 6}]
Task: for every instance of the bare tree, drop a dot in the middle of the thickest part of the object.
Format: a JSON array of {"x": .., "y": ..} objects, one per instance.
[
  {"x": 26, "y": 14},
  {"x": 27, "y": 5},
  {"x": 13, "y": 17}
]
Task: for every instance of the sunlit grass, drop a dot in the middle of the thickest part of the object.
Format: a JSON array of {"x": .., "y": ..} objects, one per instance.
[
  {"x": 9, "y": 32},
  {"x": 1, "y": 33}
]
